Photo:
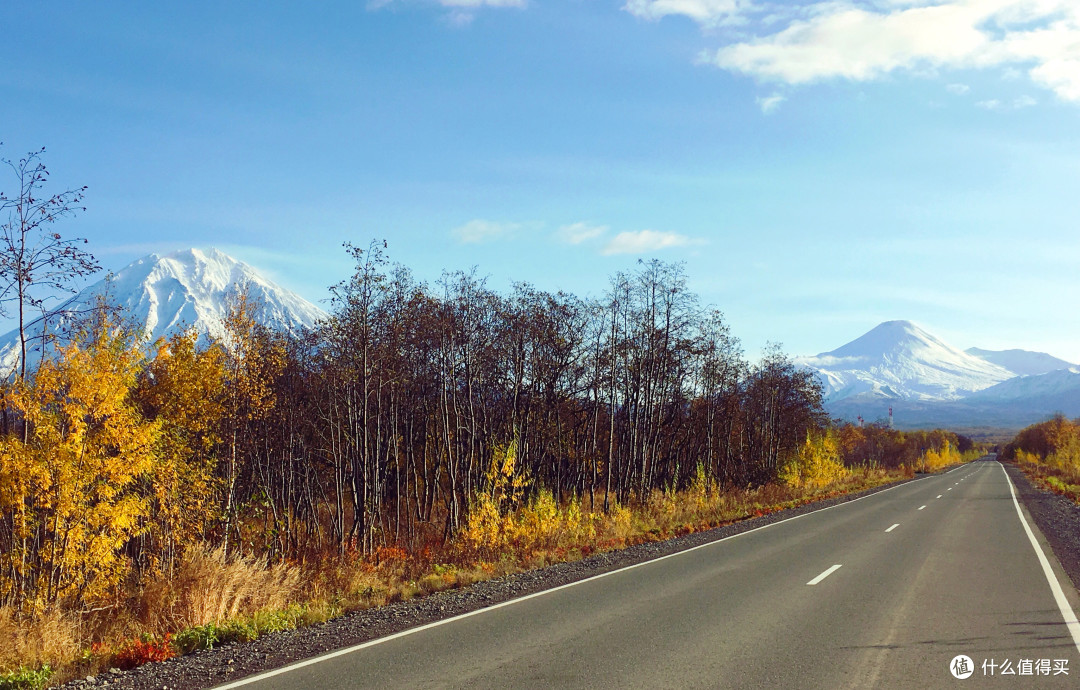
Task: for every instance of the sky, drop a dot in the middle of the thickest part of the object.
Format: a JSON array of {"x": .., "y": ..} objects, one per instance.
[{"x": 819, "y": 167}]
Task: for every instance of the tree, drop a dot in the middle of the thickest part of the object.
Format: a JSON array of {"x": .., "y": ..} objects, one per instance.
[
  {"x": 183, "y": 389},
  {"x": 254, "y": 359},
  {"x": 35, "y": 260},
  {"x": 69, "y": 491}
]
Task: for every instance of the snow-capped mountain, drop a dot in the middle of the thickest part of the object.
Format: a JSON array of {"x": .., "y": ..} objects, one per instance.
[
  {"x": 1058, "y": 389},
  {"x": 899, "y": 360},
  {"x": 166, "y": 293},
  {"x": 899, "y": 368},
  {"x": 1021, "y": 362}
]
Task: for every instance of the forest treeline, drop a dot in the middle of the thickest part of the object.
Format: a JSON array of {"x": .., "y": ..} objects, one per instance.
[
  {"x": 384, "y": 425},
  {"x": 1050, "y": 453}
]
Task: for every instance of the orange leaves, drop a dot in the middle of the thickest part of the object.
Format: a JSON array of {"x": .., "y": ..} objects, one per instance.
[{"x": 139, "y": 651}]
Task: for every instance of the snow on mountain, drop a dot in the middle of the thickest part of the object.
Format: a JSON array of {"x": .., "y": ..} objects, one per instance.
[
  {"x": 166, "y": 293},
  {"x": 1021, "y": 362},
  {"x": 1059, "y": 387},
  {"x": 899, "y": 360}
]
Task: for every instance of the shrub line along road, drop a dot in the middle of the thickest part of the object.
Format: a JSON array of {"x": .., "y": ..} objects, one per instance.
[{"x": 881, "y": 591}]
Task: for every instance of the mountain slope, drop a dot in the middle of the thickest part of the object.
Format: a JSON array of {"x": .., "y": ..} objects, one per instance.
[
  {"x": 166, "y": 293},
  {"x": 899, "y": 360},
  {"x": 1021, "y": 362},
  {"x": 1058, "y": 389}
]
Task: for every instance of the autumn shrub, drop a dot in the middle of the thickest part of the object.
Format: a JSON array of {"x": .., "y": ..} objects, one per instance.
[
  {"x": 1066, "y": 454},
  {"x": 935, "y": 459},
  {"x": 142, "y": 650},
  {"x": 1049, "y": 453},
  {"x": 817, "y": 464}
]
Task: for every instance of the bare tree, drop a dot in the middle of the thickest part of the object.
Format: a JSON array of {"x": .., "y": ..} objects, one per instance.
[{"x": 36, "y": 262}]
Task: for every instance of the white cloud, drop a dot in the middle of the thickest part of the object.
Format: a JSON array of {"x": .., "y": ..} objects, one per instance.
[
  {"x": 710, "y": 13},
  {"x": 481, "y": 231},
  {"x": 958, "y": 89},
  {"x": 863, "y": 40},
  {"x": 642, "y": 241},
  {"x": 1024, "y": 101},
  {"x": 770, "y": 103},
  {"x": 576, "y": 233}
]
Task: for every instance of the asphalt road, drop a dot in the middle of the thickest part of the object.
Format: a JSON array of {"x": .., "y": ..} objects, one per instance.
[{"x": 883, "y": 591}]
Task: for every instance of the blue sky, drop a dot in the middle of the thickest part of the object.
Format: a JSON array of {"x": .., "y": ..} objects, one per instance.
[{"x": 820, "y": 167}]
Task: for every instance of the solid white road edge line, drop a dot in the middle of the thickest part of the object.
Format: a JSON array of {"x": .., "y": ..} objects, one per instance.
[
  {"x": 434, "y": 624},
  {"x": 824, "y": 575},
  {"x": 892, "y": 528},
  {"x": 1059, "y": 596}
]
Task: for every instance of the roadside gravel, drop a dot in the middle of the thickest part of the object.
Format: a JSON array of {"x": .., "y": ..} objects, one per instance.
[{"x": 1057, "y": 518}]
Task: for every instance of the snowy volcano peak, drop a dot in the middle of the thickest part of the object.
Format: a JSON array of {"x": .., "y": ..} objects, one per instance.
[
  {"x": 165, "y": 293},
  {"x": 900, "y": 360},
  {"x": 191, "y": 288},
  {"x": 892, "y": 339}
]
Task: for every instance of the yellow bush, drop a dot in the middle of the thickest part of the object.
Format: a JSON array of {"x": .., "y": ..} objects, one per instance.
[
  {"x": 1024, "y": 457},
  {"x": 1066, "y": 455},
  {"x": 817, "y": 464},
  {"x": 934, "y": 460}
]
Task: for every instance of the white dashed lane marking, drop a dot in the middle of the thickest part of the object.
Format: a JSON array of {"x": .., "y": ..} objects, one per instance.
[{"x": 824, "y": 575}]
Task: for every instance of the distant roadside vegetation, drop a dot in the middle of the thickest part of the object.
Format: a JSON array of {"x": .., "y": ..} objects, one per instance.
[
  {"x": 1049, "y": 453},
  {"x": 423, "y": 437}
]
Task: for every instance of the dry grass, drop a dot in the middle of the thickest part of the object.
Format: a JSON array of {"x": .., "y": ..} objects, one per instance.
[
  {"x": 254, "y": 596},
  {"x": 207, "y": 588},
  {"x": 54, "y": 638}
]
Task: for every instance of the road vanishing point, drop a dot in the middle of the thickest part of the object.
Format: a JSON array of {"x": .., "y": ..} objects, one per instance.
[{"x": 883, "y": 591}]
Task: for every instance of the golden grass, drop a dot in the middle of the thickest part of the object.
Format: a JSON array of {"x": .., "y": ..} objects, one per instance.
[
  {"x": 54, "y": 638},
  {"x": 207, "y": 588}
]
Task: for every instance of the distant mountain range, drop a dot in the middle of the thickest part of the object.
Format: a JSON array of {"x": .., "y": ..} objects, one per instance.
[
  {"x": 164, "y": 293},
  {"x": 927, "y": 382}
]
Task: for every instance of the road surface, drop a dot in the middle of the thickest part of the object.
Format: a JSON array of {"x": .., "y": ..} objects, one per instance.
[{"x": 884, "y": 591}]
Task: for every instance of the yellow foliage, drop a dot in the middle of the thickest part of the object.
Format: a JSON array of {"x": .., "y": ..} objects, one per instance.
[
  {"x": 184, "y": 389},
  {"x": 489, "y": 520},
  {"x": 1026, "y": 458},
  {"x": 1066, "y": 454},
  {"x": 69, "y": 487},
  {"x": 506, "y": 483},
  {"x": 817, "y": 464},
  {"x": 934, "y": 460}
]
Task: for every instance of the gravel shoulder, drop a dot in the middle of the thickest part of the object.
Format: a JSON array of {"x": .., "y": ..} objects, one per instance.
[{"x": 1057, "y": 517}]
